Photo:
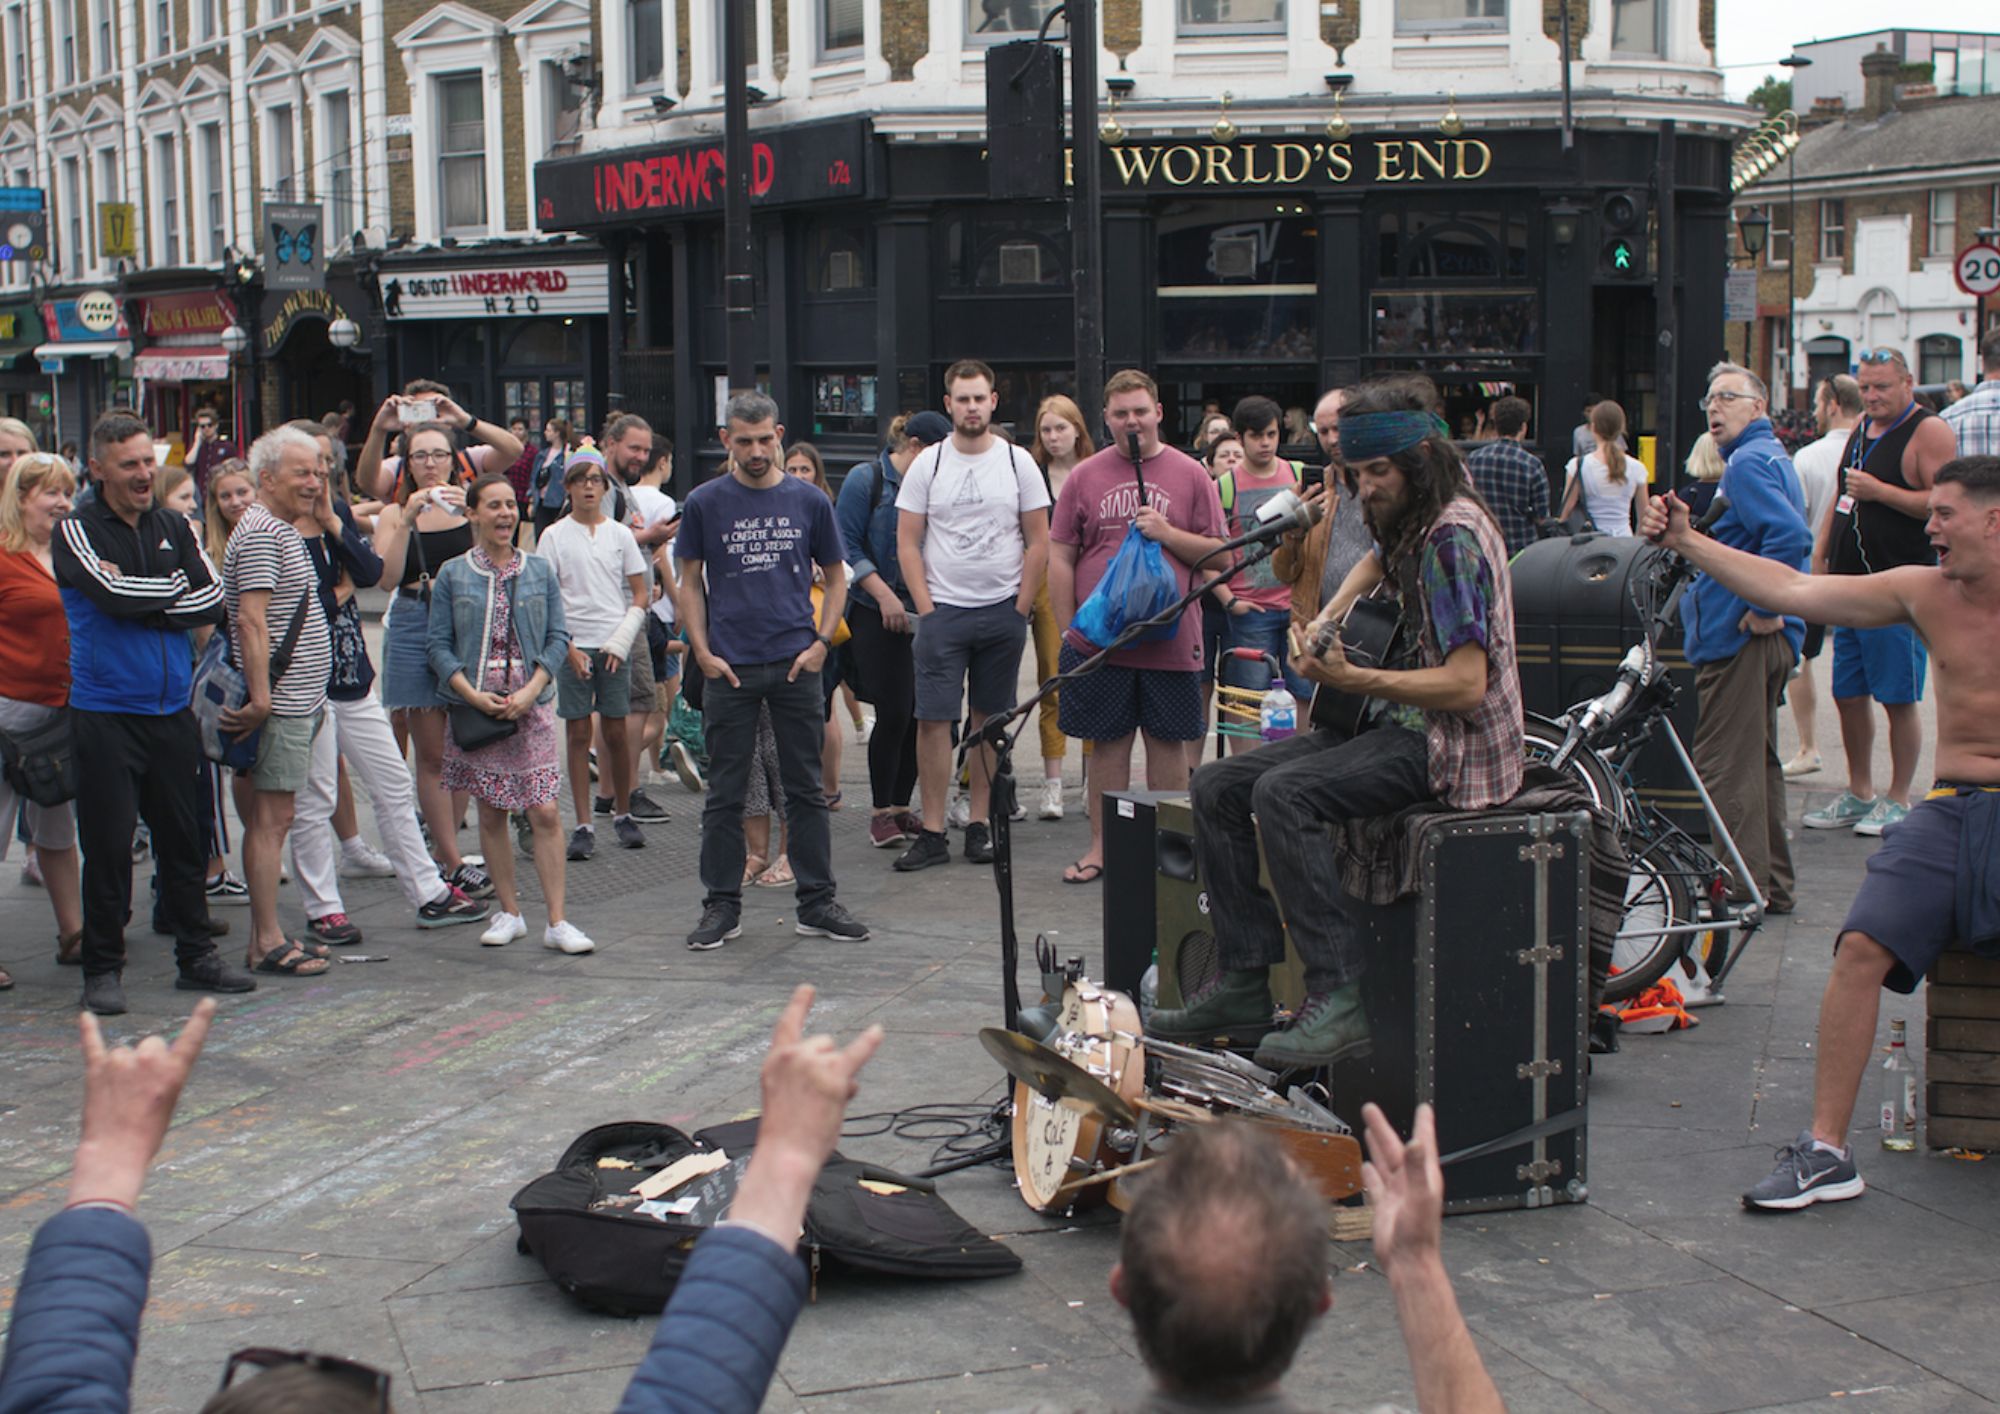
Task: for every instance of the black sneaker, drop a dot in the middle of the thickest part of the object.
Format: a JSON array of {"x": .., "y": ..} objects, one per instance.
[
  {"x": 644, "y": 807},
  {"x": 452, "y": 907},
  {"x": 103, "y": 994},
  {"x": 210, "y": 973},
  {"x": 630, "y": 836},
  {"x": 719, "y": 923},
  {"x": 978, "y": 843},
  {"x": 470, "y": 880},
  {"x": 582, "y": 842},
  {"x": 830, "y": 920},
  {"x": 1806, "y": 1174},
  {"x": 932, "y": 847},
  {"x": 600, "y": 805}
]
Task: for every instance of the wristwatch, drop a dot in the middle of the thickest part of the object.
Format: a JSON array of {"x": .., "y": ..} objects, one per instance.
[{"x": 826, "y": 639}]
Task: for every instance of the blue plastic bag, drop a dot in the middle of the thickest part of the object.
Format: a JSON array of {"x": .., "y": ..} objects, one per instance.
[{"x": 1137, "y": 585}]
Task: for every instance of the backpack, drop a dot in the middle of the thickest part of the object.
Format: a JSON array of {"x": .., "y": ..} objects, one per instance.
[
  {"x": 622, "y": 1261},
  {"x": 1225, "y": 486}
]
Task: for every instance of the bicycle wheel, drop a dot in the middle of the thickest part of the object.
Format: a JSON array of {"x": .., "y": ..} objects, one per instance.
[
  {"x": 1655, "y": 899},
  {"x": 1544, "y": 739}
]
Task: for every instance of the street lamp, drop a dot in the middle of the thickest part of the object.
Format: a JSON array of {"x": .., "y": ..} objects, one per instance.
[
  {"x": 235, "y": 339},
  {"x": 1794, "y": 62},
  {"x": 343, "y": 333},
  {"x": 1753, "y": 227}
]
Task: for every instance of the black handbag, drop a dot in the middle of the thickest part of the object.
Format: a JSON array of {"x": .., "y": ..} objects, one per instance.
[
  {"x": 471, "y": 728},
  {"x": 40, "y": 763}
]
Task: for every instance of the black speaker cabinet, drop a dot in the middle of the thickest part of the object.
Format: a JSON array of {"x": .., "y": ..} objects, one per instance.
[
  {"x": 1130, "y": 909},
  {"x": 1185, "y": 935},
  {"x": 1476, "y": 990}
]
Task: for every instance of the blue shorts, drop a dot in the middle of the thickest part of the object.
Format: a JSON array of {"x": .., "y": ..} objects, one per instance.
[
  {"x": 1908, "y": 901},
  {"x": 1265, "y": 630},
  {"x": 1114, "y": 702},
  {"x": 1886, "y": 664}
]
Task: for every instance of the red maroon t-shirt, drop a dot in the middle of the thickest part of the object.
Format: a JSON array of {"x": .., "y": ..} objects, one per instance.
[{"x": 1097, "y": 504}]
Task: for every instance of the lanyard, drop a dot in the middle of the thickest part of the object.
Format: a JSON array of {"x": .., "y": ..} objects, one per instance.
[{"x": 1863, "y": 448}]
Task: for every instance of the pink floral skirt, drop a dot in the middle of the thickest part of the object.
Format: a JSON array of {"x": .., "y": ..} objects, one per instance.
[{"x": 523, "y": 770}]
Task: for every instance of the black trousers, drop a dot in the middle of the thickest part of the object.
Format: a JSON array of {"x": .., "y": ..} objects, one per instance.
[
  {"x": 131, "y": 766},
  {"x": 882, "y": 667}
]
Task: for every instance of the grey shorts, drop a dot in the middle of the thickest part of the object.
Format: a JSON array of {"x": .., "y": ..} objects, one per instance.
[
  {"x": 642, "y": 675},
  {"x": 49, "y": 826},
  {"x": 285, "y": 752},
  {"x": 605, "y": 692},
  {"x": 970, "y": 654}
]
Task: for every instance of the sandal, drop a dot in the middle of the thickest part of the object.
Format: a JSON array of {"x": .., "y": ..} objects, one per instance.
[
  {"x": 1081, "y": 873},
  {"x": 778, "y": 876},
  {"x": 69, "y": 948},
  {"x": 753, "y": 865},
  {"x": 293, "y": 959}
]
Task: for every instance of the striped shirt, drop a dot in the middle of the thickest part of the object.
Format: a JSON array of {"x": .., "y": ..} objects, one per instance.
[
  {"x": 1975, "y": 420},
  {"x": 265, "y": 553}
]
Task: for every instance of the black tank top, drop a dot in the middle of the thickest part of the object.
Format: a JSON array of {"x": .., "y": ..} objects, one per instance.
[
  {"x": 436, "y": 546},
  {"x": 1867, "y": 535}
]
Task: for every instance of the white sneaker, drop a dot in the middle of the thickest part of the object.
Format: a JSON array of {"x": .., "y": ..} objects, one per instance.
[
  {"x": 504, "y": 929},
  {"x": 1052, "y": 799},
  {"x": 864, "y": 726},
  {"x": 959, "y": 813},
  {"x": 360, "y": 860},
  {"x": 1803, "y": 764},
  {"x": 566, "y": 937}
]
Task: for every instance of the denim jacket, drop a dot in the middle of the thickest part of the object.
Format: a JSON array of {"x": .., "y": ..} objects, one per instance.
[
  {"x": 865, "y": 535},
  {"x": 461, "y": 620}
]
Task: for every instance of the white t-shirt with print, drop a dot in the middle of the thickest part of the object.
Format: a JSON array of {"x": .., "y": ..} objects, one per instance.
[
  {"x": 591, "y": 568},
  {"x": 973, "y": 545}
]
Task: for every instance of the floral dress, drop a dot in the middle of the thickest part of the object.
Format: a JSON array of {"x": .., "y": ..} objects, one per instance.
[{"x": 525, "y": 769}]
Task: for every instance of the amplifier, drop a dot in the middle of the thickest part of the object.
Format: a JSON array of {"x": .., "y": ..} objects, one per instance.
[
  {"x": 1130, "y": 906},
  {"x": 1185, "y": 938}
]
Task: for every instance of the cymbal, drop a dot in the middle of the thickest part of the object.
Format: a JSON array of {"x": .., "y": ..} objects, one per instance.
[{"x": 1056, "y": 1076}]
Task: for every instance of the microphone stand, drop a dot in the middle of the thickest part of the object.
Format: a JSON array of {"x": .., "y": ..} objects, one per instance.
[{"x": 996, "y": 734}]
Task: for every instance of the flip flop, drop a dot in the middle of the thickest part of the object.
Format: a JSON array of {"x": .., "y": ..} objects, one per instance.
[
  {"x": 1081, "y": 873},
  {"x": 778, "y": 876},
  {"x": 753, "y": 865},
  {"x": 291, "y": 960}
]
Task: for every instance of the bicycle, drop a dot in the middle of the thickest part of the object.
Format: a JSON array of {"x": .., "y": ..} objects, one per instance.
[{"x": 1677, "y": 896}]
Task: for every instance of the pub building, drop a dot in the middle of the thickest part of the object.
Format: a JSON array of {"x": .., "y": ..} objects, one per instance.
[
  {"x": 1494, "y": 261},
  {"x": 179, "y": 364}
]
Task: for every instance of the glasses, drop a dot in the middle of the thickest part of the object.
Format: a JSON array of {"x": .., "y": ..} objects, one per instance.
[
  {"x": 591, "y": 480},
  {"x": 1726, "y": 396},
  {"x": 1881, "y": 356},
  {"x": 365, "y": 1378},
  {"x": 430, "y": 456}
]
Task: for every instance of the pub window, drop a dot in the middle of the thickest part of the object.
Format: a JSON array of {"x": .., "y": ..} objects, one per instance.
[
  {"x": 1938, "y": 359},
  {"x": 522, "y": 398},
  {"x": 647, "y": 41},
  {"x": 1452, "y": 245},
  {"x": 545, "y": 342},
  {"x": 462, "y": 152},
  {"x": 839, "y": 26},
  {"x": 1222, "y": 17},
  {"x": 1833, "y": 229},
  {"x": 467, "y": 347},
  {"x": 1237, "y": 281},
  {"x": 1450, "y": 16},
  {"x": 1638, "y": 26},
  {"x": 839, "y": 260},
  {"x": 989, "y": 21},
  {"x": 1455, "y": 323},
  {"x": 1944, "y": 223},
  {"x": 1014, "y": 253},
  {"x": 843, "y": 400}
]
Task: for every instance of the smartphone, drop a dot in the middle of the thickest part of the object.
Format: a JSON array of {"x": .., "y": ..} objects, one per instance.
[{"x": 419, "y": 410}]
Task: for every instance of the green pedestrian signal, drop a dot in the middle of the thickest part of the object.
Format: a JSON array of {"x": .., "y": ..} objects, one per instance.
[{"x": 1621, "y": 256}]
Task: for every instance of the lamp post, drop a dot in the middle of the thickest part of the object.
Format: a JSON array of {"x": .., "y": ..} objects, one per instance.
[
  {"x": 234, "y": 340},
  {"x": 1794, "y": 62},
  {"x": 1754, "y": 229}
]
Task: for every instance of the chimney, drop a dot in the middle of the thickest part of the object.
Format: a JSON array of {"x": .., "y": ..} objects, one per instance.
[{"x": 1878, "y": 82}]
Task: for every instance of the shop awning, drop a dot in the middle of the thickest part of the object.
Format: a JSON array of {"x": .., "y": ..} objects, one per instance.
[
  {"x": 86, "y": 348},
  {"x": 202, "y": 363}
]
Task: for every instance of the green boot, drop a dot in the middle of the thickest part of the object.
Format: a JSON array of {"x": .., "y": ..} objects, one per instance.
[
  {"x": 1235, "y": 1012},
  {"x": 1331, "y": 1026}
]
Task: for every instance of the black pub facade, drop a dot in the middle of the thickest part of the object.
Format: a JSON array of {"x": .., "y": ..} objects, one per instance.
[{"x": 1495, "y": 261}]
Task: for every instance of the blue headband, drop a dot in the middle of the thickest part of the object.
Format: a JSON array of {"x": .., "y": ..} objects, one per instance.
[{"x": 1367, "y": 435}]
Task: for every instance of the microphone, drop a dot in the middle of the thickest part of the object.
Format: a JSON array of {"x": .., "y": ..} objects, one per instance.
[
  {"x": 1132, "y": 447},
  {"x": 1287, "y": 511}
]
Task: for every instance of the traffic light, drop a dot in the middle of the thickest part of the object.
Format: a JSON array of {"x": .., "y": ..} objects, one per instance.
[{"x": 1621, "y": 228}]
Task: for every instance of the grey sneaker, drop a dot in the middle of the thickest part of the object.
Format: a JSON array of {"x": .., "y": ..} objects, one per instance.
[
  {"x": 1805, "y": 1174},
  {"x": 932, "y": 847},
  {"x": 630, "y": 836},
  {"x": 719, "y": 923},
  {"x": 830, "y": 920},
  {"x": 1844, "y": 814},
  {"x": 582, "y": 842},
  {"x": 103, "y": 993},
  {"x": 644, "y": 807},
  {"x": 1885, "y": 814}
]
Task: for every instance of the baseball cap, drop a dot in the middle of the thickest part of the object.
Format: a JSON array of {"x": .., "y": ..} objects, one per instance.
[{"x": 928, "y": 427}]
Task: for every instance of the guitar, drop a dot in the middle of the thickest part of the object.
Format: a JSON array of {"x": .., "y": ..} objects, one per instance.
[{"x": 1369, "y": 633}]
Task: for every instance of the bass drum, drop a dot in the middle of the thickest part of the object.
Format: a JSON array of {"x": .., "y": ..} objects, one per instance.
[{"x": 1055, "y": 1147}]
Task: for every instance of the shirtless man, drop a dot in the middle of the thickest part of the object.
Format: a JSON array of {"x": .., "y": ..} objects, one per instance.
[{"x": 1907, "y": 910}]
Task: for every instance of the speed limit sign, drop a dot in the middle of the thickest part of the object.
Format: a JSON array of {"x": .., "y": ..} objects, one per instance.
[{"x": 1978, "y": 270}]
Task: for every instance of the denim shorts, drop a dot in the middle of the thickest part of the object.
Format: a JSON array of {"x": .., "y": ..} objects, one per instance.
[
  {"x": 407, "y": 680},
  {"x": 603, "y": 691},
  {"x": 1266, "y": 631},
  {"x": 970, "y": 654}
]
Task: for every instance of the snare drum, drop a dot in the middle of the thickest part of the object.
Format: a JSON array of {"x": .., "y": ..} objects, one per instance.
[{"x": 1055, "y": 1147}]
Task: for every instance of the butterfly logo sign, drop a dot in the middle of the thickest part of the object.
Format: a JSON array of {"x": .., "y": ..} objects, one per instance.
[
  {"x": 294, "y": 244},
  {"x": 292, "y": 249}
]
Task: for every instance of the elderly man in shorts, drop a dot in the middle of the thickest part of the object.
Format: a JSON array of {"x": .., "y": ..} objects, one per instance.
[{"x": 1936, "y": 877}]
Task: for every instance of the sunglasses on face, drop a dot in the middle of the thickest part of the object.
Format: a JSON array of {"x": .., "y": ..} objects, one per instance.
[{"x": 365, "y": 1378}]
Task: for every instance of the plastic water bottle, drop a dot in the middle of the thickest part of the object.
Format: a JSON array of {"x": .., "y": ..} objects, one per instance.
[{"x": 1278, "y": 714}]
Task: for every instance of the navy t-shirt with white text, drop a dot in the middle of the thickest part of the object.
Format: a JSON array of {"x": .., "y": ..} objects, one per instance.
[{"x": 758, "y": 548}]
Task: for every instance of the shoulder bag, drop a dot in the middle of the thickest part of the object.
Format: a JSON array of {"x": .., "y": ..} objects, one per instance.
[
  {"x": 219, "y": 687},
  {"x": 471, "y": 728},
  {"x": 40, "y": 763}
]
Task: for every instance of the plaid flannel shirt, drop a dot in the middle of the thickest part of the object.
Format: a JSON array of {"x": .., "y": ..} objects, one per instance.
[
  {"x": 1515, "y": 484},
  {"x": 1975, "y": 420}
]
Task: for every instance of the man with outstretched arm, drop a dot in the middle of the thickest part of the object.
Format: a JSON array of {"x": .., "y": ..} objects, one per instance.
[{"x": 1928, "y": 883}]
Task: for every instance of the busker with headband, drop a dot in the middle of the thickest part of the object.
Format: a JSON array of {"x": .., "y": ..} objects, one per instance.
[{"x": 1448, "y": 727}]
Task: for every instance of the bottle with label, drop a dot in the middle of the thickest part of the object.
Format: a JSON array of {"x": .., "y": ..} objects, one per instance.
[
  {"x": 1278, "y": 714},
  {"x": 1899, "y": 1094}
]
